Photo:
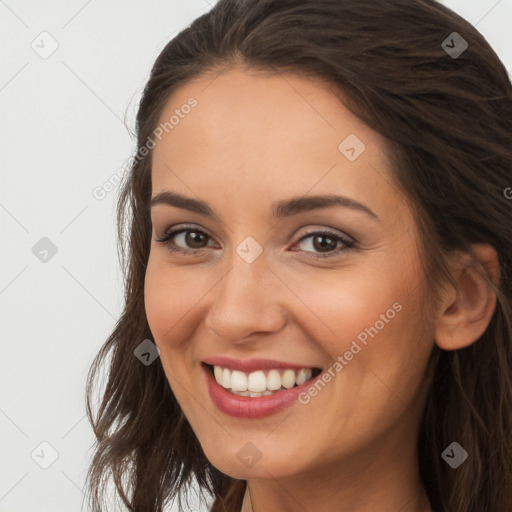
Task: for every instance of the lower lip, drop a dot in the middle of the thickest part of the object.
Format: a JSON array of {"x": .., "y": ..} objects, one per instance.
[{"x": 247, "y": 407}]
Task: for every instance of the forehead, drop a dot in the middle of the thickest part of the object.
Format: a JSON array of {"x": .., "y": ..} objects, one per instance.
[{"x": 267, "y": 135}]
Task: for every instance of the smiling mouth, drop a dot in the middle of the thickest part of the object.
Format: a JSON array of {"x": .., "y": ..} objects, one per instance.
[{"x": 261, "y": 382}]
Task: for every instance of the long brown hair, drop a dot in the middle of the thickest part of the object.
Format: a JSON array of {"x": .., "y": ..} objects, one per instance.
[{"x": 448, "y": 124}]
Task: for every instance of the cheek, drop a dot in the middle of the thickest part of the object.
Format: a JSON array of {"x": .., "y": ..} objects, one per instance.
[
  {"x": 356, "y": 303},
  {"x": 169, "y": 295},
  {"x": 371, "y": 318}
]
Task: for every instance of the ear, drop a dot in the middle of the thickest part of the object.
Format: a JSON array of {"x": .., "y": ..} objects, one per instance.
[{"x": 469, "y": 305}]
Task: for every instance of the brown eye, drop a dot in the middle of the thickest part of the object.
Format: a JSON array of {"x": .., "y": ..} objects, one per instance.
[
  {"x": 316, "y": 244},
  {"x": 323, "y": 244},
  {"x": 194, "y": 239},
  {"x": 185, "y": 240}
]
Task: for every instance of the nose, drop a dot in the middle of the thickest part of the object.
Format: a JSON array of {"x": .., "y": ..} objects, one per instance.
[{"x": 248, "y": 299}]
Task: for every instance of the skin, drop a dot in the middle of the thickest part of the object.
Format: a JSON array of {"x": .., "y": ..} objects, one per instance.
[{"x": 255, "y": 138}]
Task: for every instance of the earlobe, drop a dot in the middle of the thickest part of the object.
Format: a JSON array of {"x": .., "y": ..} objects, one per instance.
[{"x": 469, "y": 304}]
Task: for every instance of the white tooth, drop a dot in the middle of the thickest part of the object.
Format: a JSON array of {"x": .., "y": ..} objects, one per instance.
[
  {"x": 241, "y": 393},
  {"x": 288, "y": 379},
  {"x": 257, "y": 381},
  {"x": 301, "y": 377},
  {"x": 217, "y": 371},
  {"x": 226, "y": 378},
  {"x": 238, "y": 381},
  {"x": 273, "y": 380}
]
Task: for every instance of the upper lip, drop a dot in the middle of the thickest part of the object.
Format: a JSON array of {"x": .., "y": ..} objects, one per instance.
[{"x": 251, "y": 365}]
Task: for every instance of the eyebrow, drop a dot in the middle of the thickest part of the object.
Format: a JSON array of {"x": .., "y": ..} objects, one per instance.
[{"x": 280, "y": 209}]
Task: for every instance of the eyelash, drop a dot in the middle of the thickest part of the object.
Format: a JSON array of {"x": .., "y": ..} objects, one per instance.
[{"x": 171, "y": 246}]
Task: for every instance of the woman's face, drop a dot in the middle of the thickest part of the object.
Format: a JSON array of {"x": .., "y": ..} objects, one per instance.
[{"x": 257, "y": 281}]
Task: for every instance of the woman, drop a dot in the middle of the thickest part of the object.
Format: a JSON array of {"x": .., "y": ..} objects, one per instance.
[{"x": 319, "y": 245}]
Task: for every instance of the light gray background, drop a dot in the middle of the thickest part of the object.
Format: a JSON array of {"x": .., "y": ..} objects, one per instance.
[{"x": 62, "y": 135}]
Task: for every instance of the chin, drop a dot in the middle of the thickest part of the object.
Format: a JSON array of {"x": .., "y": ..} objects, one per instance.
[{"x": 238, "y": 464}]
